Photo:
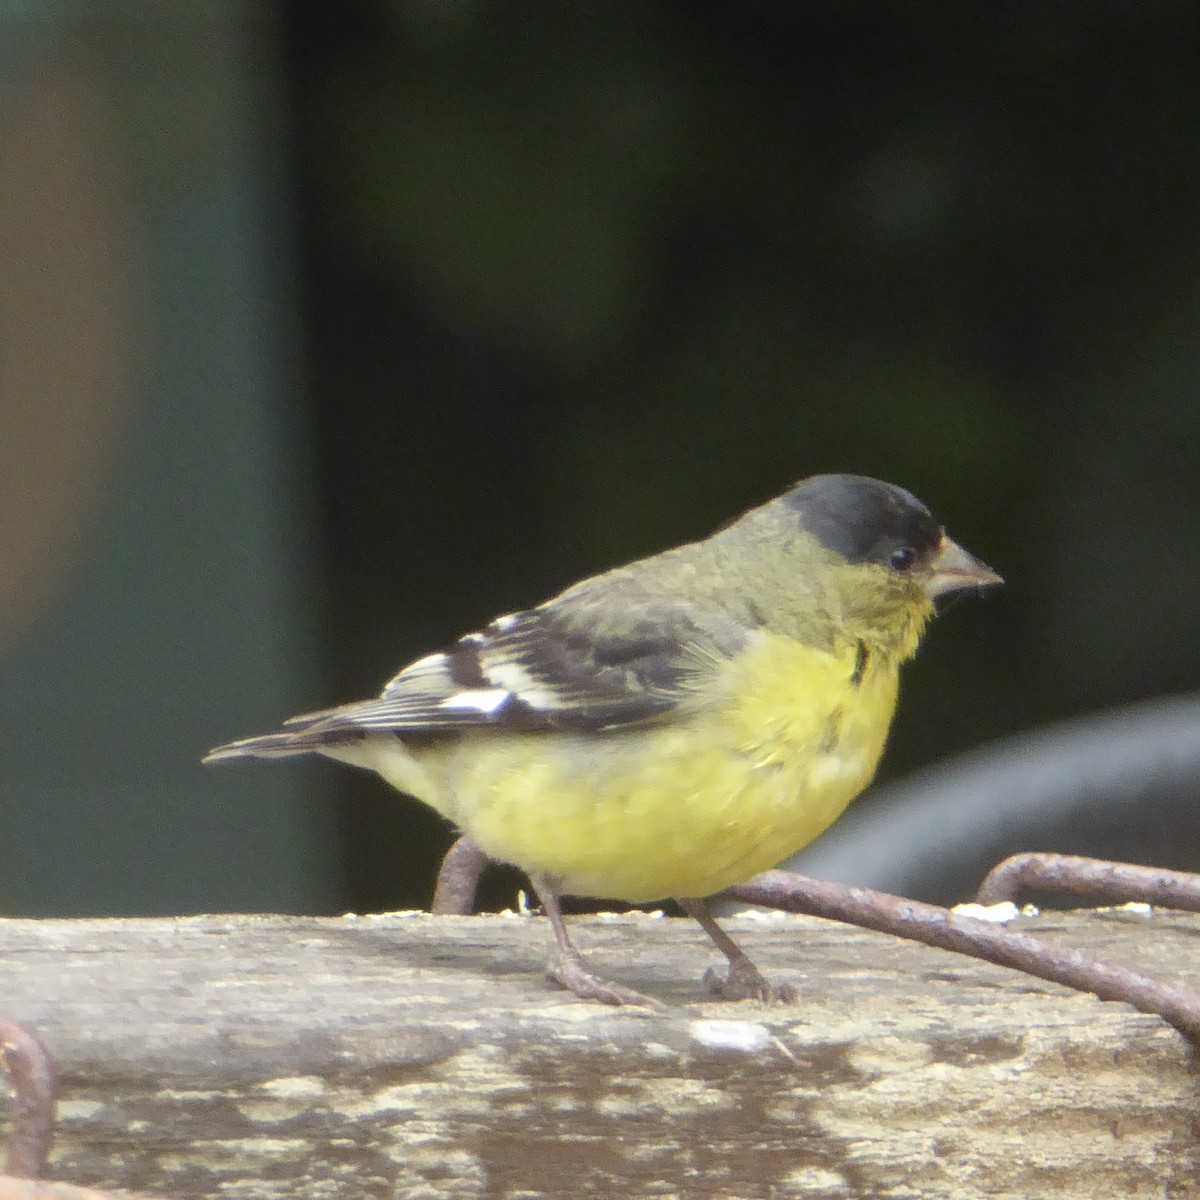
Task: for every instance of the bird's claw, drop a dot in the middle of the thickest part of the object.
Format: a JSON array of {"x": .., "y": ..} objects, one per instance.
[
  {"x": 744, "y": 981},
  {"x": 573, "y": 975}
]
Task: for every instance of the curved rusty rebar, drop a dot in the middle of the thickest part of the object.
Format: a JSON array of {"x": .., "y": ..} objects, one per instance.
[
  {"x": 949, "y": 930},
  {"x": 1093, "y": 879},
  {"x": 34, "y": 1081}
]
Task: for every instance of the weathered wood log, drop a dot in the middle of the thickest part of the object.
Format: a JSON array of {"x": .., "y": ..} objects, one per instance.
[{"x": 413, "y": 1056}]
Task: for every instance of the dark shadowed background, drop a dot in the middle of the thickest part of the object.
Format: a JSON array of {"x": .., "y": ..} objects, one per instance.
[{"x": 329, "y": 331}]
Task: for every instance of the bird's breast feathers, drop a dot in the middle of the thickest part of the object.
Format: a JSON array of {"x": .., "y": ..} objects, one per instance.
[{"x": 784, "y": 737}]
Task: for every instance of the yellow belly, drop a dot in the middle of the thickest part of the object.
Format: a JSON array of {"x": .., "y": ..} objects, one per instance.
[{"x": 683, "y": 808}]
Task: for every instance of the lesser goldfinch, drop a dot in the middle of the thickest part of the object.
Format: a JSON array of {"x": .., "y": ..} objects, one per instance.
[{"x": 671, "y": 727}]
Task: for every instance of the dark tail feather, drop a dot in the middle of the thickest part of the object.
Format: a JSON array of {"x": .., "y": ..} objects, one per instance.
[{"x": 285, "y": 745}]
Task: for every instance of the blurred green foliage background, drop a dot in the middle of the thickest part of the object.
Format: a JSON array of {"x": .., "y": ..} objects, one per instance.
[{"x": 569, "y": 283}]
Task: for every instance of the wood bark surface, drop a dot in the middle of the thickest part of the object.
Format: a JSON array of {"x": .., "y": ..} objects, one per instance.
[{"x": 427, "y": 1057}]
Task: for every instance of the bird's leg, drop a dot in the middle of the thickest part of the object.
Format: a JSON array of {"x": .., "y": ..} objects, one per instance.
[
  {"x": 568, "y": 966},
  {"x": 743, "y": 981},
  {"x": 458, "y": 879}
]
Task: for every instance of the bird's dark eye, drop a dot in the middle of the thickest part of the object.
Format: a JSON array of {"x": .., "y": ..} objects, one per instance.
[{"x": 902, "y": 559}]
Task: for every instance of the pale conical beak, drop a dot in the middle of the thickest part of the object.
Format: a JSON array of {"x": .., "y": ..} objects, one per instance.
[{"x": 954, "y": 570}]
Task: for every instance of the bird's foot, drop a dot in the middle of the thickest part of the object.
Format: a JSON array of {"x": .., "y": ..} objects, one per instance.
[
  {"x": 571, "y": 973},
  {"x": 744, "y": 981}
]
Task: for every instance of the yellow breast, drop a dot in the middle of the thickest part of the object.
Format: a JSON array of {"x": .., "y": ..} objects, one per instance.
[{"x": 683, "y": 808}]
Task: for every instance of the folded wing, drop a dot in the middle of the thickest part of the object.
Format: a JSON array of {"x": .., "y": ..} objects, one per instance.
[{"x": 548, "y": 668}]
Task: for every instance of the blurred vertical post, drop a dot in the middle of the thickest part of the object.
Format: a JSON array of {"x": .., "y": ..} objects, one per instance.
[{"x": 158, "y": 586}]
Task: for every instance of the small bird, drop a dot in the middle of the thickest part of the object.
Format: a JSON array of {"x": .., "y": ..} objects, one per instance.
[{"x": 671, "y": 727}]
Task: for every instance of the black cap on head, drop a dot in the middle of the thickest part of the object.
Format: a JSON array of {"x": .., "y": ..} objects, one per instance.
[{"x": 863, "y": 519}]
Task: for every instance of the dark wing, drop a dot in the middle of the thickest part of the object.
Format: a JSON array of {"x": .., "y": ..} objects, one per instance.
[
  {"x": 550, "y": 669},
  {"x": 543, "y": 669}
]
